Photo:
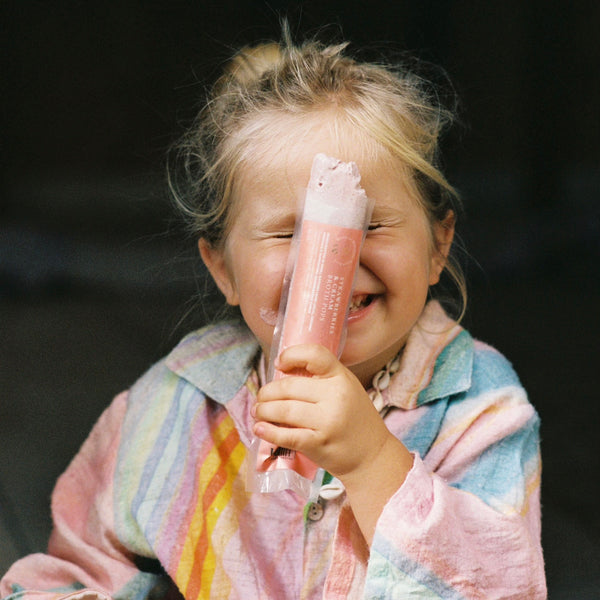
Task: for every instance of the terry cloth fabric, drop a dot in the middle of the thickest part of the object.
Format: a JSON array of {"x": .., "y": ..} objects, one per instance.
[{"x": 155, "y": 505}]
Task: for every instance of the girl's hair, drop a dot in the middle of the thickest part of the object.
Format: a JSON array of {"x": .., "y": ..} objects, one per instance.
[{"x": 388, "y": 105}]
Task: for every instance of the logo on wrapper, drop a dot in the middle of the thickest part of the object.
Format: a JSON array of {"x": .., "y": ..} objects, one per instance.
[{"x": 344, "y": 250}]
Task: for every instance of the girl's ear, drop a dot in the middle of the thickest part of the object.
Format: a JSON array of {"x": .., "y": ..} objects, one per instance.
[
  {"x": 215, "y": 262},
  {"x": 443, "y": 234}
]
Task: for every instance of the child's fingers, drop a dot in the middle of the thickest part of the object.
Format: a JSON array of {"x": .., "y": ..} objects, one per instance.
[
  {"x": 289, "y": 413},
  {"x": 284, "y": 437},
  {"x": 313, "y": 358},
  {"x": 292, "y": 387}
]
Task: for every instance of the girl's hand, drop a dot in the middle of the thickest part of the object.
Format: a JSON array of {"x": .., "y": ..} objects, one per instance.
[
  {"x": 330, "y": 419},
  {"x": 328, "y": 416}
]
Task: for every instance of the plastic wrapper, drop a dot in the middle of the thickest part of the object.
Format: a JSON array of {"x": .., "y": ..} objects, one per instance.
[{"x": 317, "y": 291}]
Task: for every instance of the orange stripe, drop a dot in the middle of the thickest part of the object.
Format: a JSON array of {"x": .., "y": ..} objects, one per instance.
[
  {"x": 204, "y": 458},
  {"x": 207, "y": 463},
  {"x": 219, "y": 479}
]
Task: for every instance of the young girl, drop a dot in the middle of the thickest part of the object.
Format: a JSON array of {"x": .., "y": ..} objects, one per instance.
[{"x": 428, "y": 433}]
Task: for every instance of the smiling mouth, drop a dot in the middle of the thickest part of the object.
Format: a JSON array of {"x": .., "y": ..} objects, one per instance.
[{"x": 360, "y": 301}]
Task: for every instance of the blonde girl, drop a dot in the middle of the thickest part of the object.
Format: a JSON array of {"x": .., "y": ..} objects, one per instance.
[{"x": 428, "y": 433}]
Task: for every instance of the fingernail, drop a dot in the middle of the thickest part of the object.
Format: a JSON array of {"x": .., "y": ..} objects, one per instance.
[{"x": 253, "y": 410}]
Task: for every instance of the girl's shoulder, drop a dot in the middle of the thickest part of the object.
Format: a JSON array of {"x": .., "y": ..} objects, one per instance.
[
  {"x": 442, "y": 361},
  {"x": 467, "y": 367},
  {"x": 488, "y": 379},
  {"x": 491, "y": 369}
]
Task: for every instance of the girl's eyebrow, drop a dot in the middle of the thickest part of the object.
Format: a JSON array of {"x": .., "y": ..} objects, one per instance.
[
  {"x": 387, "y": 213},
  {"x": 276, "y": 219}
]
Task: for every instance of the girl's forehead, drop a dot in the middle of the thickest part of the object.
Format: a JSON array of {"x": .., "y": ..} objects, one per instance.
[
  {"x": 286, "y": 176},
  {"x": 281, "y": 158}
]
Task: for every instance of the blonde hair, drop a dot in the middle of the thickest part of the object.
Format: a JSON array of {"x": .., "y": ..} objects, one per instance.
[{"x": 386, "y": 104}]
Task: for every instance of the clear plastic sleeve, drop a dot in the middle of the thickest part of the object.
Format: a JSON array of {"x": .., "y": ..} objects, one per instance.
[{"x": 317, "y": 291}]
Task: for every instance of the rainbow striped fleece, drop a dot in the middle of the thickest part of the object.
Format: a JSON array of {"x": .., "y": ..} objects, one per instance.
[{"x": 155, "y": 504}]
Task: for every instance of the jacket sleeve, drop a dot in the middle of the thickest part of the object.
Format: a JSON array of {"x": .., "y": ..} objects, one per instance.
[
  {"x": 85, "y": 559},
  {"x": 466, "y": 521}
]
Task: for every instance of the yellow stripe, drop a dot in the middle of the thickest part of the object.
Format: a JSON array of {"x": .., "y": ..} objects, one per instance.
[
  {"x": 462, "y": 427},
  {"x": 207, "y": 472},
  {"x": 214, "y": 512},
  {"x": 532, "y": 485}
]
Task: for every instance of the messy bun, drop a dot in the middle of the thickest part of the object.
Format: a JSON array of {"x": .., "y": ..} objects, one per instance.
[{"x": 249, "y": 64}]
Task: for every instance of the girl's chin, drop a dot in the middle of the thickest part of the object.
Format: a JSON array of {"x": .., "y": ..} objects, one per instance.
[{"x": 354, "y": 356}]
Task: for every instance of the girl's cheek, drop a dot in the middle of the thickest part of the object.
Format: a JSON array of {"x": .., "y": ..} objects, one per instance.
[
  {"x": 272, "y": 270},
  {"x": 268, "y": 315}
]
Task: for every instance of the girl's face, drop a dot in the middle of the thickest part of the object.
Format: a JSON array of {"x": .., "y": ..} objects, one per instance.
[{"x": 398, "y": 262}]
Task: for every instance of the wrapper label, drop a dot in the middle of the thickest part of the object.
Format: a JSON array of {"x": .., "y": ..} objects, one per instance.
[
  {"x": 318, "y": 300},
  {"x": 321, "y": 286}
]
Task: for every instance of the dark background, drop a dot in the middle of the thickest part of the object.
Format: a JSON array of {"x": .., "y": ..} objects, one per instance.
[{"x": 97, "y": 280}]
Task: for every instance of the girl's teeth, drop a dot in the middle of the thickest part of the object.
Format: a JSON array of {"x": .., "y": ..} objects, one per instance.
[{"x": 358, "y": 302}]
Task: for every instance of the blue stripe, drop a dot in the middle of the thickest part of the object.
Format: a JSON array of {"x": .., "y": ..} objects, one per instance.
[
  {"x": 156, "y": 453},
  {"x": 402, "y": 577},
  {"x": 498, "y": 476},
  {"x": 452, "y": 371},
  {"x": 420, "y": 437},
  {"x": 491, "y": 371},
  {"x": 187, "y": 404}
]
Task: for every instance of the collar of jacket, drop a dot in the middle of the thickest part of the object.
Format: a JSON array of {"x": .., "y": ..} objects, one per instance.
[{"x": 436, "y": 362}]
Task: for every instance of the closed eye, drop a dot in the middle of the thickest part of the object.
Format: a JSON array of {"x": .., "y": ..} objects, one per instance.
[
  {"x": 387, "y": 223},
  {"x": 274, "y": 235}
]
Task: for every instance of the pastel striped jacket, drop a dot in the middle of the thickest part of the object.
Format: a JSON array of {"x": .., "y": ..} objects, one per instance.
[{"x": 155, "y": 503}]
